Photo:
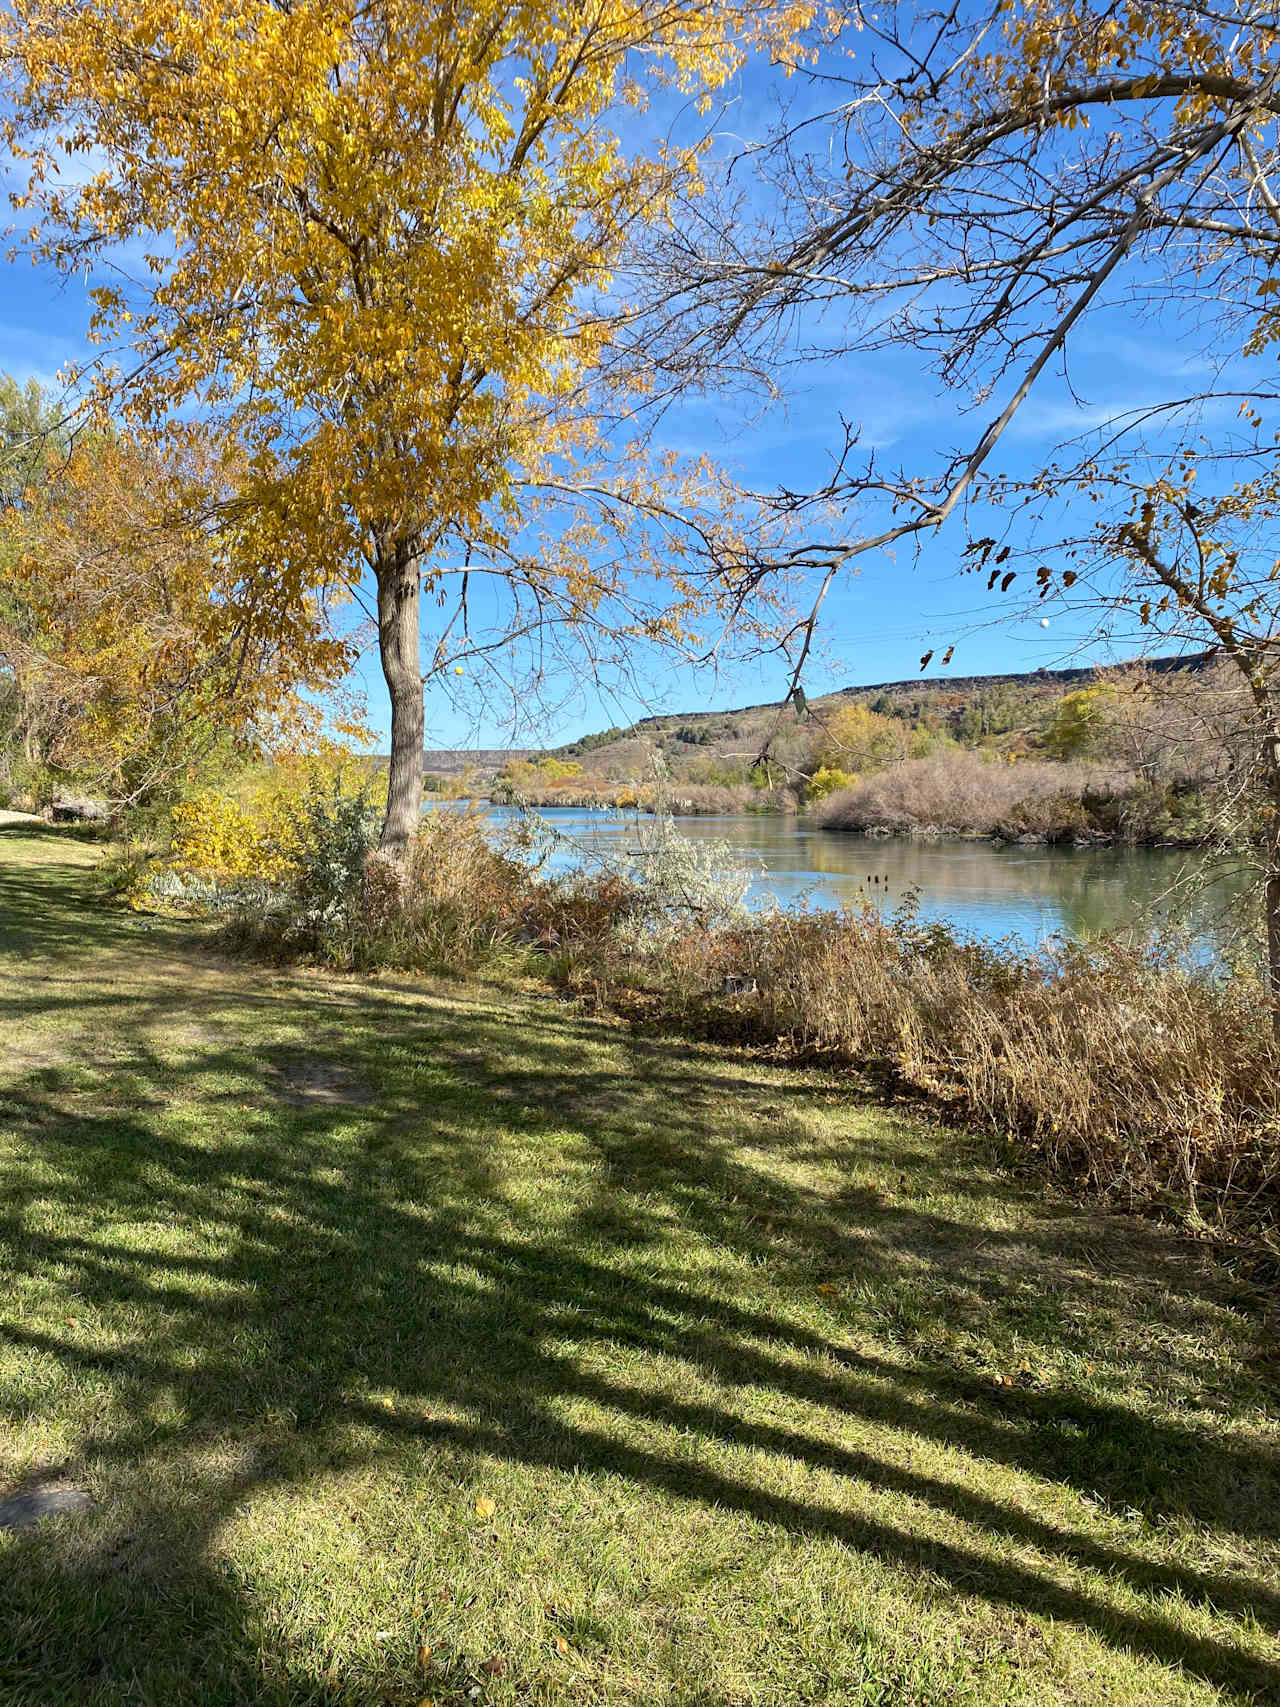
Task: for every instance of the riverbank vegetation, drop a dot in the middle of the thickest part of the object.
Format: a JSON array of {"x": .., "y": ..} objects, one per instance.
[
  {"x": 966, "y": 795},
  {"x": 1123, "y": 1067},
  {"x": 1135, "y": 755},
  {"x": 688, "y": 799},
  {"x": 436, "y": 1339}
]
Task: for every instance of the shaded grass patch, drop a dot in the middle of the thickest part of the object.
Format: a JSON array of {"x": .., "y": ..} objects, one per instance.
[{"x": 777, "y": 1398}]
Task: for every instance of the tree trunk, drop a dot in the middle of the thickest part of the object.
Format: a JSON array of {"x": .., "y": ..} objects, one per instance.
[{"x": 397, "y": 577}]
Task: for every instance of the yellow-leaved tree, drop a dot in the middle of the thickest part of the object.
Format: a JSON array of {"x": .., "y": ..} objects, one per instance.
[
  {"x": 135, "y": 638},
  {"x": 376, "y": 240},
  {"x": 852, "y": 737}
]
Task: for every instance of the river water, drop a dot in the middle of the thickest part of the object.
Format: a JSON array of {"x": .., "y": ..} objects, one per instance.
[{"x": 1025, "y": 894}]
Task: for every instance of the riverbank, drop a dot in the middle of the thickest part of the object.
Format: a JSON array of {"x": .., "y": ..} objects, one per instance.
[
  {"x": 1035, "y": 808},
  {"x": 432, "y": 1339},
  {"x": 691, "y": 800},
  {"x": 1063, "y": 836},
  {"x": 1029, "y": 803}
]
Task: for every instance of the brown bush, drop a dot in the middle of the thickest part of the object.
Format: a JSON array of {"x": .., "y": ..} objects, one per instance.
[
  {"x": 967, "y": 794},
  {"x": 576, "y": 917}
]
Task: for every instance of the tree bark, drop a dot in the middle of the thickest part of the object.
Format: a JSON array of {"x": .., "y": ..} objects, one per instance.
[{"x": 396, "y": 571}]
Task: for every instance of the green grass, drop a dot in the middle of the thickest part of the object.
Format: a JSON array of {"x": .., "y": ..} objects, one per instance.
[{"x": 780, "y": 1396}]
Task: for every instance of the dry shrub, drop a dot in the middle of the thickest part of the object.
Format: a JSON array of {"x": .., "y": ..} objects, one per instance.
[
  {"x": 578, "y": 916},
  {"x": 1137, "y": 1076},
  {"x": 974, "y": 796},
  {"x": 686, "y": 798},
  {"x": 716, "y": 798},
  {"x": 452, "y": 902}
]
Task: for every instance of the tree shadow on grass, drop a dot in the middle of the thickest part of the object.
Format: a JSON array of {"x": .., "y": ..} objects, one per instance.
[
  {"x": 45, "y": 908},
  {"x": 260, "y": 1274}
]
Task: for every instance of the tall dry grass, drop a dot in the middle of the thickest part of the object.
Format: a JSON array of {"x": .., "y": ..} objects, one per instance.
[
  {"x": 1125, "y": 1069},
  {"x": 1139, "y": 1077},
  {"x": 964, "y": 793},
  {"x": 450, "y": 904}
]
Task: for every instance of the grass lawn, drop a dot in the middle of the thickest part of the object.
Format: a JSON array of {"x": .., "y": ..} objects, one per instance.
[{"x": 437, "y": 1342}]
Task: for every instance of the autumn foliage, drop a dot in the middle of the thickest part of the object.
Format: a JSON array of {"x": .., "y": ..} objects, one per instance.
[
  {"x": 378, "y": 242},
  {"x": 135, "y": 641}
]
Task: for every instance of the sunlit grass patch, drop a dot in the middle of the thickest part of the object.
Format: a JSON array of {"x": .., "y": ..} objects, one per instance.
[{"x": 575, "y": 1365}]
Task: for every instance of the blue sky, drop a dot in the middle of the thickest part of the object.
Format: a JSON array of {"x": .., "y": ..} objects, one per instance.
[{"x": 879, "y": 620}]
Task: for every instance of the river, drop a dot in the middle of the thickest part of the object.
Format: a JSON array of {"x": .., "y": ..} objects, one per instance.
[{"x": 1025, "y": 894}]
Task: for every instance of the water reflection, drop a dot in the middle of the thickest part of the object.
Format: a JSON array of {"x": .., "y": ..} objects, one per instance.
[{"x": 1023, "y": 893}]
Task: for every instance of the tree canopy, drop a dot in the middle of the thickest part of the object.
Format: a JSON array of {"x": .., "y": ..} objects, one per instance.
[{"x": 133, "y": 640}]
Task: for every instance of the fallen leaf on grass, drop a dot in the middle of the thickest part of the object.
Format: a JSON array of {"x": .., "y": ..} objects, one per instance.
[
  {"x": 828, "y": 1291},
  {"x": 485, "y": 1507},
  {"x": 424, "y": 1653},
  {"x": 562, "y": 1647}
]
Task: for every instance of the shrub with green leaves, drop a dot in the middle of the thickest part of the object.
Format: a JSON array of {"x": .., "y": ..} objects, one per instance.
[{"x": 336, "y": 832}]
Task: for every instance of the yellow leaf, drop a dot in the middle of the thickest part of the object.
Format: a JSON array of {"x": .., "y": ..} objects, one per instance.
[
  {"x": 562, "y": 1647},
  {"x": 485, "y": 1507},
  {"x": 828, "y": 1291},
  {"x": 424, "y": 1653}
]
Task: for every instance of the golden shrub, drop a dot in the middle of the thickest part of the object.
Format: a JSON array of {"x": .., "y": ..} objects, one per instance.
[{"x": 255, "y": 834}]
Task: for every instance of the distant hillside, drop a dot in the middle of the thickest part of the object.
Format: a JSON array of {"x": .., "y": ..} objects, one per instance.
[
  {"x": 972, "y": 708},
  {"x": 483, "y": 763},
  {"x": 999, "y": 708}
]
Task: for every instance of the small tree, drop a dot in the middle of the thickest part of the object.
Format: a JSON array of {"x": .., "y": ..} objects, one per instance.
[
  {"x": 853, "y": 738},
  {"x": 133, "y": 640},
  {"x": 1077, "y": 722}
]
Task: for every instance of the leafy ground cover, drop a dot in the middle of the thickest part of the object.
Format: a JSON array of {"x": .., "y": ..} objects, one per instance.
[{"x": 428, "y": 1341}]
